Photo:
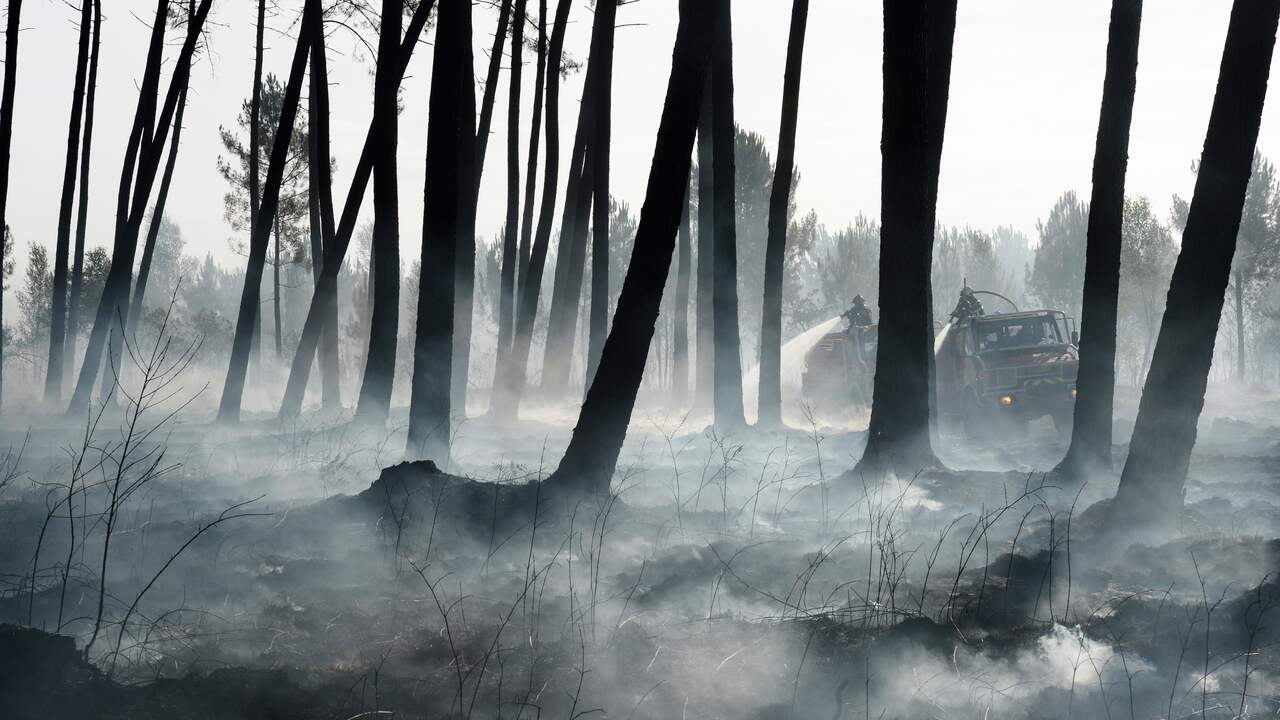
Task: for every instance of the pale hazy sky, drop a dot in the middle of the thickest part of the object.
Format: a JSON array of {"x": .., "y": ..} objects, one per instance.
[{"x": 1026, "y": 84}]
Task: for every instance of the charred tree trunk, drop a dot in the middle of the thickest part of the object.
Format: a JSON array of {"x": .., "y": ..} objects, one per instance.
[
  {"x": 255, "y": 144},
  {"x": 1151, "y": 485},
  {"x": 512, "y": 383},
  {"x": 1091, "y": 427},
  {"x": 380, "y": 361},
  {"x": 6, "y": 135},
  {"x": 769, "y": 413},
  {"x": 510, "y": 234},
  {"x": 606, "y": 12},
  {"x": 680, "y": 343},
  {"x": 727, "y": 351},
  {"x": 705, "y": 339},
  {"x": 898, "y": 434},
  {"x": 326, "y": 294},
  {"x": 592, "y": 455},
  {"x": 320, "y": 210},
  {"x": 275, "y": 293},
  {"x": 531, "y": 171},
  {"x": 131, "y": 201},
  {"x": 233, "y": 388},
  {"x": 82, "y": 210},
  {"x": 157, "y": 214},
  {"x": 58, "y": 317},
  {"x": 450, "y": 157}
]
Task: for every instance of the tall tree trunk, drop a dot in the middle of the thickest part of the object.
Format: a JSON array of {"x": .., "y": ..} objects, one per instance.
[
  {"x": 1091, "y": 427},
  {"x": 6, "y": 135},
  {"x": 726, "y": 352},
  {"x": 464, "y": 307},
  {"x": 131, "y": 201},
  {"x": 233, "y": 388},
  {"x": 512, "y": 384},
  {"x": 255, "y": 145},
  {"x": 275, "y": 289},
  {"x": 510, "y": 238},
  {"x": 380, "y": 361},
  {"x": 157, "y": 215},
  {"x": 58, "y": 317},
  {"x": 592, "y": 455},
  {"x": 680, "y": 343},
  {"x": 607, "y": 11},
  {"x": 1151, "y": 484},
  {"x": 450, "y": 157},
  {"x": 914, "y": 109},
  {"x": 82, "y": 210},
  {"x": 531, "y": 171},
  {"x": 769, "y": 412},
  {"x": 705, "y": 339},
  {"x": 320, "y": 209},
  {"x": 326, "y": 293}
]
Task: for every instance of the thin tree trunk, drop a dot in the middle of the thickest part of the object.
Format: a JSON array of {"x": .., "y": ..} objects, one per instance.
[
  {"x": 510, "y": 234},
  {"x": 592, "y": 455},
  {"x": 255, "y": 145},
  {"x": 326, "y": 293},
  {"x": 275, "y": 292},
  {"x": 531, "y": 171},
  {"x": 320, "y": 207},
  {"x": 157, "y": 215},
  {"x": 769, "y": 412},
  {"x": 450, "y": 140},
  {"x": 58, "y": 317},
  {"x": 1090, "y": 447},
  {"x": 680, "y": 343},
  {"x": 82, "y": 211},
  {"x": 380, "y": 361},
  {"x": 131, "y": 202},
  {"x": 705, "y": 338},
  {"x": 898, "y": 433},
  {"x": 606, "y": 11},
  {"x": 726, "y": 352},
  {"x": 6, "y": 135},
  {"x": 233, "y": 388},
  {"x": 512, "y": 385},
  {"x": 1151, "y": 485}
]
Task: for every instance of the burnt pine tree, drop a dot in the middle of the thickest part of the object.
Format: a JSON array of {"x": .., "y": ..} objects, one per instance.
[
  {"x": 326, "y": 291},
  {"x": 512, "y": 381},
  {"x": 255, "y": 144},
  {"x": 769, "y": 413},
  {"x": 531, "y": 170},
  {"x": 898, "y": 433},
  {"x": 450, "y": 156},
  {"x": 135, "y": 188},
  {"x": 510, "y": 233},
  {"x": 246, "y": 319},
  {"x": 157, "y": 213},
  {"x": 606, "y": 11},
  {"x": 1091, "y": 427},
  {"x": 1151, "y": 484},
  {"x": 82, "y": 209},
  {"x": 704, "y": 371},
  {"x": 374, "y": 403},
  {"x": 320, "y": 212},
  {"x": 58, "y": 317},
  {"x": 6, "y": 135},
  {"x": 726, "y": 351},
  {"x": 680, "y": 341},
  {"x": 589, "y": 461}
]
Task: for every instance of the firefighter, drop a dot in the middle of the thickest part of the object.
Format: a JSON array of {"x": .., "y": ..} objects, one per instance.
[
  {"x": 858, "y": 315},
  {"x": 969, "y": 305}
]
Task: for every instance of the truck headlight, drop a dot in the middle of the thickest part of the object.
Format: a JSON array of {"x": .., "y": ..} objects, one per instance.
[
  {"x": 1073, "y": 393},
  {"x": 1006, "y": 400}
]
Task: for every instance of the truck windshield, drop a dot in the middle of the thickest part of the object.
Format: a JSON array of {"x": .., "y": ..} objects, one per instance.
[{"x": 1016, "y": 333}]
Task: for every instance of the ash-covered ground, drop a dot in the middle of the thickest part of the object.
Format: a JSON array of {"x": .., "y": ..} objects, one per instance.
[{"x": 276, "y": 572}]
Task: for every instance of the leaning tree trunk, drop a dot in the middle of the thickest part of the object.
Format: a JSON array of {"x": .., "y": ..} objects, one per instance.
[
  {"x": 769, "y": 412},
  {"x": 592, "y": 455},
  {"x": 6, "y": 135},
  {"x": 680, "y": 343},
  {"x": 58, "y": 318},
  {"x": 320, "y": 212},
  {"x": 1091, "y": 427},
  {"x": 326, "y": 293},
  {"x": 531, "y": 171},
  {"x": 82, "y": 209},
  {"x": 450, "y": 157},
  {"x": 1164, "y": 433},
  {"x": 510, "y": 239},
  {"x": 275, "y": 290},
  {"x": 726, "y": 351},
  {"x": 157, "y": 215},
  {"x": 511, "y": 384},
  {"x": 898, "y": 433},
  {"x": 598, "y": 321},
  {"x": 380, "y": 361},
  {"x": 705, "y": 338},
  {"x": 233, "y": 388},
  {"x": 131, "y": 200}
]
